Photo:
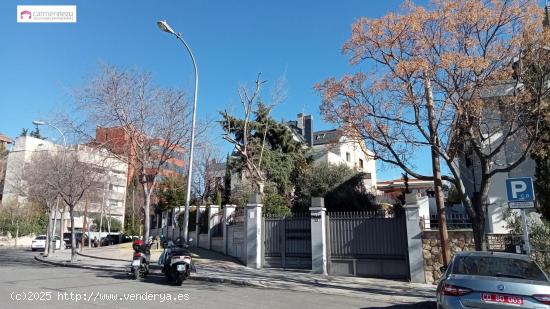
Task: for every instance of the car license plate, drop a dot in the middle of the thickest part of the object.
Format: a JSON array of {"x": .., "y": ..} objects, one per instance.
[
  {"x": 136, "y": 262},
  {"x": 500, "y": 298},
  {"x": 181, "y": 267}
]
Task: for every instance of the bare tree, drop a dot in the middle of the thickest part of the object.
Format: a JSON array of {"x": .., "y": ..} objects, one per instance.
[
  {"x": 40, "y": 192},
  {"x": 72, "y": 174},
  {"x": 154, "y": 122},
  {"x": 239, "y": 132},
  {"x": 451, "y": 60},
  {"x": 204, "y": 184}
]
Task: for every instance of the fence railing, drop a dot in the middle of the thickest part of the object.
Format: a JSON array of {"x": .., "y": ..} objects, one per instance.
[
  {"x": 454, "y": 222},
  {"x": 366, "y": 234},
  {"x": 237, "y": 217},
  {"x": 381, "y": 213},
  {"x": 217, "y": 229}
]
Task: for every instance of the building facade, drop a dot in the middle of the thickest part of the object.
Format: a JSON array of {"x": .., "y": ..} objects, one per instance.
[
  {"x": 106, "y": 197},
  {"x": 117, "y": 141},
  {"x": 335, "y": 147}
]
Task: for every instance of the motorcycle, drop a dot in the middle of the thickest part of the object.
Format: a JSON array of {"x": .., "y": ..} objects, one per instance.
[
  {"x": 177, "y": 262},
  {"x": 140, "y": 263}
]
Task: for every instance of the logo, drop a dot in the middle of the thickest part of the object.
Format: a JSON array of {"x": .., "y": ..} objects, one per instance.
[
  {"x": 46, "y": 13},
  {"x": 28, "y": 13},
  {"x": 500, "y": 287}
]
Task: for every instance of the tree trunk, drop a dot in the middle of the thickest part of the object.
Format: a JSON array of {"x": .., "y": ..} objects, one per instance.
[
  {"x": 54, "y": 215},
  {"x": 16, "y": 232},
  {"x": 438, "y": 185},
  {"x": 48, "y": 235},
  {"x": 100, "y": 225},
  {"x": 478, "y": 227},
  {"x": 146, "y": 228},
  {"x": 84, "y": 226},
  {"x": 73, "y": 238}
]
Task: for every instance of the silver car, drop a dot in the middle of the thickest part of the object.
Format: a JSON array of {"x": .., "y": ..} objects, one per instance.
[{"x": 493, "y": 280}]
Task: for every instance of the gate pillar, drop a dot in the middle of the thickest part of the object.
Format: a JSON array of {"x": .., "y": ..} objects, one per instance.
[
  {"x": 228, "y": 211},
  {"x": 414, "y": 239},
  {"x": 212, "y": 222},
  {"x": 318, "y": 236},
  {"x": 253, "y": 227}
]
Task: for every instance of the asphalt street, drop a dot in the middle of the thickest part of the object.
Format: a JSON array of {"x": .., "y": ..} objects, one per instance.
[{"x": 25, "y": 283}]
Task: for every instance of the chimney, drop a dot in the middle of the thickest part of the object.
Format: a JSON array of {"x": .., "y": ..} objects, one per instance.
[
  {"x": 308, "y": 130},
  {"x": 300, "y": 122}
]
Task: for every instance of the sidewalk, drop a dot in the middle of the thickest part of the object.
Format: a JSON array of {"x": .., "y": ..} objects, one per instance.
[{"x": 215, "y": 267}]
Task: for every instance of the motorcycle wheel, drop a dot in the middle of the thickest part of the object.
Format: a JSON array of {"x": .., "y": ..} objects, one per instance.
[
  {"x": 136, "y": 273},
  {"x": 179, "y": 280}
]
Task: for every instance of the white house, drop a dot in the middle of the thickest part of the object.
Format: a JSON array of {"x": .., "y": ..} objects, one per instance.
[{"x": 334, "y": 147}]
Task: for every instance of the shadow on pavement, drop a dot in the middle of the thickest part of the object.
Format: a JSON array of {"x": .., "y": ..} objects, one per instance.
[
  {"x": 155, "y": 277},
  {"x": 421, "y": 305}
]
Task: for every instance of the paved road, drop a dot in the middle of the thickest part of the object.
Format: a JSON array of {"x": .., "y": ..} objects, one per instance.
[{"x": 24, "y": 283}]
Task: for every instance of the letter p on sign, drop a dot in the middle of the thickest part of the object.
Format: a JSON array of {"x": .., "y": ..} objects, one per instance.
[{"x": 520, "y": 189}]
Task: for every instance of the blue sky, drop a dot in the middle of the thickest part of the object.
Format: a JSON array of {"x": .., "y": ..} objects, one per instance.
[{"x": 232, "y": 40}]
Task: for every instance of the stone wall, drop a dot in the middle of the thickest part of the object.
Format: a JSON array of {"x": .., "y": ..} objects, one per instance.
[{"x": 459, "y": 240}]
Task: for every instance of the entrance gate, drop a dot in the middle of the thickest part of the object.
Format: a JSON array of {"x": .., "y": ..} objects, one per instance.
[
  {"x": 287, "y": 241},
  {"x": 368, "y": 244}
]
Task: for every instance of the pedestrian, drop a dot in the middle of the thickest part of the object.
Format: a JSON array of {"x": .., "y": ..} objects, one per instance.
[{"x": 162, "y": 239}]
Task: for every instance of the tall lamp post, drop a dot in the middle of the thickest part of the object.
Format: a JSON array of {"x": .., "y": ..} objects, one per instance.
[
  {"x": 163, "y": 25},
  {"x": 42, "y": 123}
]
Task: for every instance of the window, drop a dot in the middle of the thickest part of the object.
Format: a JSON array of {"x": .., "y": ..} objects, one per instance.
[
  {"x": 497, "y": 267},
  {"x": 115, "y": 203},
  {"x": 360, "y": 163},
  {"x": 348, "y": 157},
  {"x": 116, "y": 188}
]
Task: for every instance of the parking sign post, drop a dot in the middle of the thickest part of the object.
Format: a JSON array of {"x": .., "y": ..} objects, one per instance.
[{"x": 521, "y": 196}]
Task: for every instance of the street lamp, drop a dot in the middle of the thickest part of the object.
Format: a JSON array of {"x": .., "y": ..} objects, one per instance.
[
  {"x": 163, "y": 25},
  {"x": 41, "y": 123}
]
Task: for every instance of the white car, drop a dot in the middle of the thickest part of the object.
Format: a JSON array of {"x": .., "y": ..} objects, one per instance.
[{"x": 40, "y": 243}]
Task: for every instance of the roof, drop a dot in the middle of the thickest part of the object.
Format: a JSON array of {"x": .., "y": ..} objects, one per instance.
[
  {"x": 218, "y": 166},
  {"x": 327, "y": 137},
  {"x": 5, "y": 139},
  {"x": 398, "y": 183}
]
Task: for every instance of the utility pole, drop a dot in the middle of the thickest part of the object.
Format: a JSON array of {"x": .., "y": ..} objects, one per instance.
[{"x": 438, "y": 184}]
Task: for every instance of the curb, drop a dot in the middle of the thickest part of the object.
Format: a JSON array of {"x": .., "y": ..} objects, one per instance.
[
  {"x": 103, "y": 258},
  {"x": 64, "y": 264}
]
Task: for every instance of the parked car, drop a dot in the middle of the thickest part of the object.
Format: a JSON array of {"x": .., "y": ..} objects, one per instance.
[
  {"x": 78, "y": 238},
  {"x": 40, "y": 243},
  {"x": 110, "y": 239},
  {"x": 493, "y": 280}
]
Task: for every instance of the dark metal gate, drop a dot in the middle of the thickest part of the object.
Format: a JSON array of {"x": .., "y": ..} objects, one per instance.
[
  {"x": 287, "y": 241},
  {"x": 368, "y": 244}
]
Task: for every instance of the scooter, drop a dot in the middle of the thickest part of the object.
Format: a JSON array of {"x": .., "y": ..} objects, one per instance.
[
  {"x": 140, "y": 263},
  {"x": 177, "y": 263}
]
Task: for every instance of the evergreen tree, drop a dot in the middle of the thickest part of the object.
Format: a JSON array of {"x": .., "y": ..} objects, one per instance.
[{"x": 227, "y": 182}]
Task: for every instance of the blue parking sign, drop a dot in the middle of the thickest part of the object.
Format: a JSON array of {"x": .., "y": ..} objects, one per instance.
[{"x": 520, "y": 189}]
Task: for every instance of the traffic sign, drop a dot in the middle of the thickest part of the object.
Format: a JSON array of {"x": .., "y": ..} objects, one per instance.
[
  {"x": 521, "y": 195},
  {"x": 520, "y": 192}
]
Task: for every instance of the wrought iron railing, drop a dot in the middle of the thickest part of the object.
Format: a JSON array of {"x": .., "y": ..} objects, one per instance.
[{"x": 454, "y": 222}]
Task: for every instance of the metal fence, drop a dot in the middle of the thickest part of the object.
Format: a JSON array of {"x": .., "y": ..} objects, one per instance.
[
  {"x": 287, "y": 241},
  {"x": 237, "y": 217},
  {"x": 454, "y": 222},
  {"x": 368, "y": 244},
  {"x": 367, "y": 234},
  {"x": 217, "y": 229},
  {"x": 503, "y": 242}
]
